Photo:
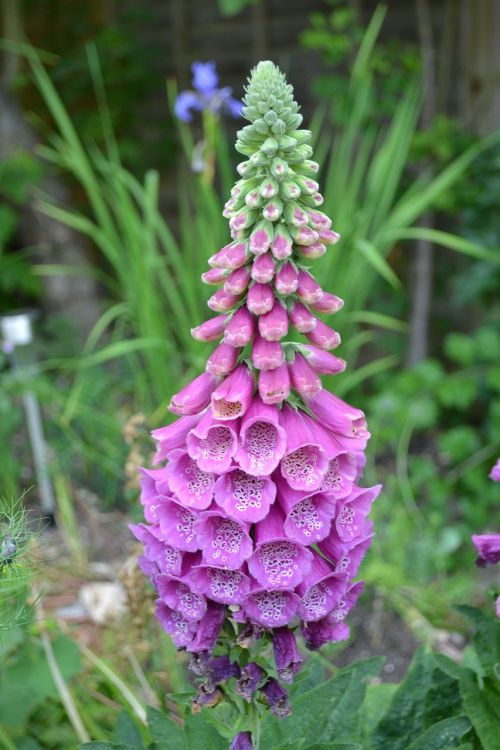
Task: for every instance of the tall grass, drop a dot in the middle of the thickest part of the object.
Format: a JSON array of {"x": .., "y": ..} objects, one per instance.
[{"x": 366, "y": 193}]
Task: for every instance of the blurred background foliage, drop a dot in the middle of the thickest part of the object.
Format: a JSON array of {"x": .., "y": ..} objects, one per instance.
[{"x": 100, "y": 207}]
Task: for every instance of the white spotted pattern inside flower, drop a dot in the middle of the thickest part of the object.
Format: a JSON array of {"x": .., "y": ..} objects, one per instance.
[
  {"x": 185, "y": 524},
  {"x": 343, "y": 563},
  {"x": 261, "y": 440},
  {"x": 199, "y": 481},
  {"x": 316, "y": 599},
  {"x": 279, "y": 560},
  {"x": 271, "y": 604},
  {"x": 300, "y": 465},
  {"x": 228, "y": 536},
  {"x": 247, "y": 490},
  {"x": 340, "y": 611},
  {"x": 346, "y": 518},
  {"x": 229, "y": 409},
  {"x": 189, "y": 602},
  {"x": 172, "y": 558},
  {"x": 224, "y": 583},
  {"x": 306, "y": 518},
  {"x": 217, "y": 443},
  {"x": 180, "y": 625},
  {"x": 333, "y": 481}
]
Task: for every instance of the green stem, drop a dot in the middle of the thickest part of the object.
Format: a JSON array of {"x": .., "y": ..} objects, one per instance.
[{"x": 254, "y": 718}]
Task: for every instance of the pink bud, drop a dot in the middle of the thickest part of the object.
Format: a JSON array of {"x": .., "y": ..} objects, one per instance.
[
  {"x": 308, "y": 289},
  {"x": 253, "y": 199},
  {"x": 268, "y": 189},
  {"x": 240, "y": 329},
  {"x": 318, "y": 199},
  {"x": 328, "y": 303},
  {"x": 210, "y": 329},
  {"x": 295, "y": 216},
  {"x": 304, "y": 235},
  {"x": 282, "y": 243},
  {"x": 311, "y": 252},
  {"x": 261, "y": 237},
  {"x": 223, "y": 359},
  {"x": 266, "y": 355},
  {"x": 231, "y": 256},
  {"x": 238, "y": 280},
  {"x": 221, "y": 301},
  {"x": 328, "y": 236},
  {"x": 263, "y": 268},
  {"x": 272, "y": 210},
  {"x": 303, "y": 377},
  {"x": 319, "y": 220},
  {"x": 260, "y": 299},
  {"x": 287, "y": 279},
  {"x": 322, "y": 361},
  {"x": 274, "y": 385},
  {"x": 323, "y": 336},
  {"x": 195, "y": 396},
  {"x": 303, "y": 320},
  {"x": 214, "y": 276},
  {"x": 232, "y": 397},
  {"x": 274, "y": 324}
]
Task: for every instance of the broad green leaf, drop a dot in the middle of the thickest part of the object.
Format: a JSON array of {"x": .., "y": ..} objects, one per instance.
[
  {"x": 127, "y": 731},
  {"x": 164, "y": 732},
  {"x": 483, "y": 707},
  {"x": 201, "y": 735},
  {"x": 487, "y": 637},
  {"x": 425, "y": 696},
  {"x": 313, "y": 709},
  {"x": 443, "y": 735},
  {"x": 377, "y": 701},
  {"x": 18, "y": 695}
]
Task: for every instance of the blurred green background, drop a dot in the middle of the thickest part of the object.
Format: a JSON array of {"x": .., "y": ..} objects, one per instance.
[{"x": 109, "y": 210}]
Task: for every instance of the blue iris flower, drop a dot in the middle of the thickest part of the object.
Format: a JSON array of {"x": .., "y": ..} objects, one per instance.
[{"x": 205, "y": 95}]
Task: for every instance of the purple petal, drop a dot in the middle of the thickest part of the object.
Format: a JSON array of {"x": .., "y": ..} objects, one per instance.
[
  {"x": 205, "y": 78},
  {"x": 193, "y": 487},
  {"x": 223, "y": 542},
  {"x": 212, "y": 444},
  {"x": 224, "y": 586},
  {"x": 181, "y": 630},
  {"x": 262, "y": 439},
  {"x": 185, "y": 102},
  {"x": 244, "y": 497},
  {"x": 271, "y": 609},
  {"x": 179, "y": 596},
  {"x": 177, "y": 524}
]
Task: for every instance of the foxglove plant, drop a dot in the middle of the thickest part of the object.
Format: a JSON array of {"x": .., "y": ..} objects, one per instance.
[{"x": 256, "y": 524}]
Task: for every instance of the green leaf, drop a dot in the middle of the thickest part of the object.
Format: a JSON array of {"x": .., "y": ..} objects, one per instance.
[
  {"x": 336, "y": 746},
  {"x": 377, "y": 260},
  {"x": 487, "y": 637},
  {"x": 127, "y": 732},
  {"x": 99, "y": 745},
  {"x": 164, "y": 731},
  {"x": 426, "y": 695},
  {"x": 19, "y": 696},
  {"x": 483, "y": 708},
  {"x": 314, "y": 713},
  {"x": 443, "y": 735},
  {"x": 377, "y": 701},
  {"x": 201, "y": 735}
]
